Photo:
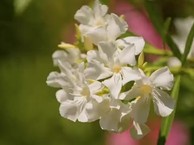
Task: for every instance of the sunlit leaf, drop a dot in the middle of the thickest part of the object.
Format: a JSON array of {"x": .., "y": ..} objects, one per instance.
[{"x": 21, "y": 5}]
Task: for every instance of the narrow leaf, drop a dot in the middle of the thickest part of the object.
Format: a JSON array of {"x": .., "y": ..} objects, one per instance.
[
  {"x": 188, "y": 44},
  {"x": 167, "y": 122},
  {"x": 161, "y": 27},
  {"x": 154, "y": 15},
  {"x": 174, "y": 48},
  {"x": 167, "y": 25}
]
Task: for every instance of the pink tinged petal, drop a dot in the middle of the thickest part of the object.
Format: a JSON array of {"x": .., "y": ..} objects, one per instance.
[
  {"x": 127, "y": 55},
  {"x": 84, "y": 15},
  {"x": 110, "y": 120},
  {"x": 130, "y": 74},
  {"x": 71, "y": 109},
  {"x": 139, "y": 130},
  {"x": 140, "y": 109},
  {"x": 162, "y": 78},
  {"x": 99, "y": 9},
  {"x": 138, "y": 42},
  {"x": 97, "y": 71},
  {"x": 163, "y": 103},
  {"x": 114, "y": 84}
]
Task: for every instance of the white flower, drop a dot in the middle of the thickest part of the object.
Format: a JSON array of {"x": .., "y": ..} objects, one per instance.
[
  {"x": 183, "y": 26},
  {"x": 112, "y": 64},
  {"x": 148, "y": 88},
  {"x": 115, "y": 115},
  {"x": 139, "y": 130},
  {"x": 72, "y": 56},
  {"x": 138, "y": 42},
  {"x": 98, "y": 25},
  {"x": 77, "y": 96}
]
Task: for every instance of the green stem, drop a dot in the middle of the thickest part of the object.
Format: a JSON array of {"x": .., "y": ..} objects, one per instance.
[
  {"x": 167, "y": 122},
  {"x": 149, "y": 49}
]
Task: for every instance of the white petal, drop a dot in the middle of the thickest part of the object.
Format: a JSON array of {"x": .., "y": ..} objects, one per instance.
[
  {"x": 162, "y": 78},
  {"x": 57, "y": 80},
  {"x": 130, "y": 74},
  {"x": 95, "y": 87},
  {"x": 62, "y": 96},
  {"x": 97, "y": 71},
  {"x": 90, "y": 112},
  {"x": 116, "y": 27},
  {"x": 93, "y": 55},
  {"x": 127, "y": 55},
  {"x": 59, "y": 55},
  {"x": 71, "y": 109},
  {"x": 99, "y": 9},
  {"x": 138, "y": 42},
  {"x": 163, "y": 103},
  {"x": 114, "y": 84},
  {"x": 110, "y": 120},
  {"x": 133, "y": 93},
  {"x": 140, "y": 109},
  {"x": 84, "y": 15},
  {"x": 96, "y": 34},
  {"x": 107, "y": 50},
  {"x": 139, "y": 130}
]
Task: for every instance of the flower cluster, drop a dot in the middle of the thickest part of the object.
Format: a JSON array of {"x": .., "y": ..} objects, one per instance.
[{"x": 101, "y": 79}]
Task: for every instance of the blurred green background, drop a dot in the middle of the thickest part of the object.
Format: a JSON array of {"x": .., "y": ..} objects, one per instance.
[{"x": 29, "y": 33}]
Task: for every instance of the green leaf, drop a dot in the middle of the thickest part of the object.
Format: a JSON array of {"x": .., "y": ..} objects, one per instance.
[
  {"x": 167, "y": 25},
  {"x": 188, "y": 44},
  {"x": 107, "y": 2},
  {"x": 174, "y": 48},
  {"x": 154, "y": 14},
  {"x": 162, "y": 27},
  {"x": 167, "y": 122}
]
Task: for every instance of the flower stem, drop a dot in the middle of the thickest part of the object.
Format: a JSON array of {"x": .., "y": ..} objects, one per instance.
[
  {"x": 167, "y": 122},
  {"x": 149, "y": 49}
]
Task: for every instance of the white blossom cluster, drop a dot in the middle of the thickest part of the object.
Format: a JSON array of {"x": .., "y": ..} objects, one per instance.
[{"x": 104, "y": 82}]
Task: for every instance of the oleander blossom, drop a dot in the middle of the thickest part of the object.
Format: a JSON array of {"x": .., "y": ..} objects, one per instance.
[
  {"x": 111, "y": 62},
  {"x": 152, "y": 88},
  {"x": 106, "y": 81},
  {"x": 98, "y": 25}
]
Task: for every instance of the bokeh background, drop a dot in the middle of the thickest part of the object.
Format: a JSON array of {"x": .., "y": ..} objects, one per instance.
[{"x": 30, "y": 31}]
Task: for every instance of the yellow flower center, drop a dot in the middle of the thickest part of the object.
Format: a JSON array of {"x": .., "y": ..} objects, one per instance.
[
  {"x": 85, "y": 92},
  {"x": 116, "y": 68},
  {"x": 146, "y": 89},
  {"x": 99, "y": 22}
]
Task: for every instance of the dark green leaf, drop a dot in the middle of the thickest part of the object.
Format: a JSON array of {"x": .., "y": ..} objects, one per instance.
[
  {"x": 188, "y": 45},
  {"x": 174, "y": 48},
  {"x": 154, "y": 14}
]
